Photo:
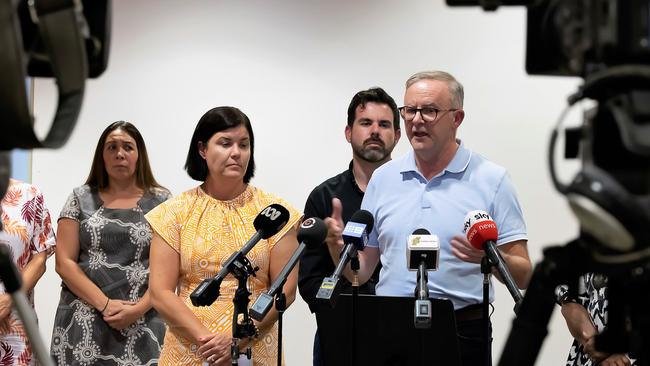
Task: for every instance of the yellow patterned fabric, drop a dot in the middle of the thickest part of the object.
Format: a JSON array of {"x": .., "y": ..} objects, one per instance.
[{"x": 205, "y": 232}]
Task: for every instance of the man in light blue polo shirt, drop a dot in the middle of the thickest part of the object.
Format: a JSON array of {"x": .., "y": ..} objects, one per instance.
[{"x": 434, "y": 186}]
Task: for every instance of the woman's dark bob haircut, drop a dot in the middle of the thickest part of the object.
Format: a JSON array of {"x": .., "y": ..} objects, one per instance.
[
  {"x": 216, "y": 120},
  {"x": 98, "y": 177}
]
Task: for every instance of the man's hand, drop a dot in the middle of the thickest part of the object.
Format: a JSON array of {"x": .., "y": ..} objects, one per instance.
[
  {"x": 463, "y": 250},
  {"x": 335, "y": 226},
  {"x": 215, "y": 349}
]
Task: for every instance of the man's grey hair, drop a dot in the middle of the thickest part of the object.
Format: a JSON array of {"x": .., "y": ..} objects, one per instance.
[{"x": 455, "y": 87}]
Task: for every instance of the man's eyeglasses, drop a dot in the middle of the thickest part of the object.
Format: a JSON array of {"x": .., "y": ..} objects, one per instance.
[{"x": 428, "y": 114}]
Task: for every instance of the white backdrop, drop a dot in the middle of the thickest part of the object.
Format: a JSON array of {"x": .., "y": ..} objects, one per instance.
[{"x": 293, "y": 67}]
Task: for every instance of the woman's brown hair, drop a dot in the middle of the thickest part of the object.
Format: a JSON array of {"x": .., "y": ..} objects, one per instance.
[{"x": 98, "y": 177}]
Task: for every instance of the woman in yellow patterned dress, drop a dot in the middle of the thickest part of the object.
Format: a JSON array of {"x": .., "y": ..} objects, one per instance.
[{"x": 195, "y": 232}]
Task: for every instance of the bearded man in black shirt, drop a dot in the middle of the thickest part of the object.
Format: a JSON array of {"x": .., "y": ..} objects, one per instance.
[{"x": 372, "y": 131}]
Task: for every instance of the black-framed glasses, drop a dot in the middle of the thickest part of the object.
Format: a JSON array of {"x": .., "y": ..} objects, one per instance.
[{"x": 428, "y": 114}]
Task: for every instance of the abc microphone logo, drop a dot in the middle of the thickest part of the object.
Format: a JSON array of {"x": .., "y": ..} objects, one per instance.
[{"x": 271, "y": 213}]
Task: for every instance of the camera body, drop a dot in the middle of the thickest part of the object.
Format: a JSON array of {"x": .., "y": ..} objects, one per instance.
[
  {"x": 607, "y": 43},
  {"x": 579, "y": 37}
]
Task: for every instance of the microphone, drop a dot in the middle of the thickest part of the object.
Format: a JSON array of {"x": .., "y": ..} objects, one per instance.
[
  {"x": 312, "y": 232},
  {"x": 422, "y": 247},
  {"x": 422, "y": 253},
  {"x": 267, "y": 223},
  {"x": 482, "y": 233},
  {"x": 355, "y": 237}
]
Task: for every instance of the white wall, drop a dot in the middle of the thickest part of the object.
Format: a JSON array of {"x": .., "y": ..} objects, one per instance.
[{"x": 293, "y": 66}]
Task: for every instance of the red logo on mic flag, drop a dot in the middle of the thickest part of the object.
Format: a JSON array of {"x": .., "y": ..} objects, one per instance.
[{"x": 480, "y": 228}]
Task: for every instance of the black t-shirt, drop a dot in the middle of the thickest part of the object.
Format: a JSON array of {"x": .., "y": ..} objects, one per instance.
[{"x": 316, "y": 263}]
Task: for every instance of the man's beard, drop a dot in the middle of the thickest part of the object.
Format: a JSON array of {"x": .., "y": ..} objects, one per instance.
[{"x": 372, "y": 154}]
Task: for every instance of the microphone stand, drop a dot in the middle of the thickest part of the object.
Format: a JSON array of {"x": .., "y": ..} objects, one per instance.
[
  {"x": 246, "y": 329},
  {"x": 499, "y": 264},
  {"x": 422, "y": 310},
  {"x": 487, "y": 264},
  {"x": 486, "y": 269},
  {"x": 354, "y": 266},
  {"x": 280, "y": 306}
]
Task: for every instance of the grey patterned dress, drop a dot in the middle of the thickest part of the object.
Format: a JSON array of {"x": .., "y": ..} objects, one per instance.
[{"x": 114, "y": 254}]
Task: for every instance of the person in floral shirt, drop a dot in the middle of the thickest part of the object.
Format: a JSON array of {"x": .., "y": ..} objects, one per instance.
[{"x": 28, "y": 234}]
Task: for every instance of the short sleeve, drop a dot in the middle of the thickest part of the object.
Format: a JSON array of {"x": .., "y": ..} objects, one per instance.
[
  {"x": 72, "y": 208},
  {"x": 166, "y": 195},
  {"x": 295, "y": 218},
  {"x": 507, "y": 213},
  {"x": 162, "y": 194},
  {"x": 43, "y": 236},
  {"x": 369, "y": 204},
  {"x": 164, "y": 221}
]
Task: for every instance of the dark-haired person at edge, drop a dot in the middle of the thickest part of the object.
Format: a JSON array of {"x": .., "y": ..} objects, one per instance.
[
  {"x": 198, "y": 230},
  {"x": 27, "y": 233},
  {"x": 373, "y": 131},
  {"x": 434, "y": 186},
  {"x": 105, "y": 316}
]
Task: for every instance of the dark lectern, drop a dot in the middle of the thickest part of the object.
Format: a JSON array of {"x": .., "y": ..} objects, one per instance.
[{"x": 386, "y": 334}]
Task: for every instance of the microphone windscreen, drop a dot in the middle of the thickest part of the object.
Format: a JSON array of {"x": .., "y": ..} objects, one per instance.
[
  {"x": 480, "y": 228},
  {"x": 271, "y": 220},
  {"x": 421, "y": 232},
  {"x": 312, "y": 231},
  {"x": 364, "y": 217}
]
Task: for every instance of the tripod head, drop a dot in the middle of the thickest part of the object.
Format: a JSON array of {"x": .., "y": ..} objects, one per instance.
[
  {"x": 610, "y": 195},
  {"x": 606, "y": 43}
]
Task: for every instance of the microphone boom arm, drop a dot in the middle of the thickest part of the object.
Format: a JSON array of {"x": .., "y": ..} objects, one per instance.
[{"x": 498, "y": 262}]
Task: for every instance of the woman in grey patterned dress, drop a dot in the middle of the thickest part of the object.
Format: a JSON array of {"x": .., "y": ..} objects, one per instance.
[{"x": 105, "y": 316}]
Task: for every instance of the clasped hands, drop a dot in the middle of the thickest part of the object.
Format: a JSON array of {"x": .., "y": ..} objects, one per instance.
[
  {"x": 602, "y": 358},
  {"x": 119, "y": 314},
  {"x": 215, "y": 348}
]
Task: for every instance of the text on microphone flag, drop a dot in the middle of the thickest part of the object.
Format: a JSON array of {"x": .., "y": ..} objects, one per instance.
[
  {"x": 353, "y": 228},
  {"x": 271, "y": 220},
  {"x": 480, "y": 228},
  {"x": 357, "y": 232},
  {"x": 473, "y": 217},
  {"x": 271, "y": 212}
]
